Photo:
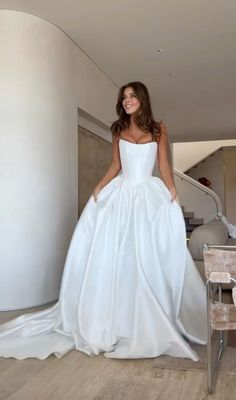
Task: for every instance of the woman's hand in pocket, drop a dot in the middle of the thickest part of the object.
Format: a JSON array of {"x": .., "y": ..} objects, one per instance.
[
  {"x": 96, "y": 192},
  {"x": 174, "y": 196}
]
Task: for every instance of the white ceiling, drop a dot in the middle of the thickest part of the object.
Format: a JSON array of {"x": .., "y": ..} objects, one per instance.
[{"x": 197, "y": 38}]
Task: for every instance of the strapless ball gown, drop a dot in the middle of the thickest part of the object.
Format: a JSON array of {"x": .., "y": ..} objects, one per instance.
[{"x": 130, "y": 288}]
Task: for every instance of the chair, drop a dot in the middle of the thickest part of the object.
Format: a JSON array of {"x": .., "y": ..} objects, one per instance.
[{"x": 220, "y": 269}]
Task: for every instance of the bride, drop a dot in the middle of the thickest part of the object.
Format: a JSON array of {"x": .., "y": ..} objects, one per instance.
[{"x": 130, "y": 288}]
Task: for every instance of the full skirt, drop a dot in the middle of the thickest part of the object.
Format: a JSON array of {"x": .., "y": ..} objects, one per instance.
[{"x": 129, "y": 289}]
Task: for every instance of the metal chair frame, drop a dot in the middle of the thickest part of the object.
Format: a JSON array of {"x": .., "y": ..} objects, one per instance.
[{"x": 212, "y": 288}]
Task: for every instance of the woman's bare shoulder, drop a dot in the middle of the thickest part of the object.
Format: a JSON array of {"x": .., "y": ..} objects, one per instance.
[{"x": 115, "y": 138}]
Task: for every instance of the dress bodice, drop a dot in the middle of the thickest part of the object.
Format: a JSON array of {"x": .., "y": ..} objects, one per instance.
[{"x": 137, "y": 160}]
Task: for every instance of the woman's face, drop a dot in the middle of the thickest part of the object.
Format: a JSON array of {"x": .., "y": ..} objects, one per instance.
[{"x": 130, "y": 102}]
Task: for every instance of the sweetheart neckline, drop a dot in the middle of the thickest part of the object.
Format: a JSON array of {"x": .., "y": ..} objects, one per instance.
[{"x": 128, "y": 141}]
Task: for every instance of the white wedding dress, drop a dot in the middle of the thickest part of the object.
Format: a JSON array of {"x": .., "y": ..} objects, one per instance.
[{"x": 130, "y": 288}]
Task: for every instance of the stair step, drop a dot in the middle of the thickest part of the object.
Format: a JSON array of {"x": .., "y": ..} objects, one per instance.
[
  {"x": 190, "y": 222},
  {"x": 195, "y": 221},
  {"x": 190, "y": 228},
  {"x": 188, "y": 214}
]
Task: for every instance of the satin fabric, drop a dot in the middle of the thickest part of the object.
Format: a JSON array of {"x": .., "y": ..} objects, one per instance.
[{"x": 130, "y": 288}]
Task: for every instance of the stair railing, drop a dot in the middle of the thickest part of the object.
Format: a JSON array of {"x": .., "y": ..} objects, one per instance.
[{"x": 197, "y": 197}]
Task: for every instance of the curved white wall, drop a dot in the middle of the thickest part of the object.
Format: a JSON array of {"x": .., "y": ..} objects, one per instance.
[{"x": 42, "y": 85}]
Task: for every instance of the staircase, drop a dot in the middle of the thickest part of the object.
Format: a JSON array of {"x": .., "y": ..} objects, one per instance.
[
  {"x": 203, "y": 201},
  {"x": 190, "y": 221}
]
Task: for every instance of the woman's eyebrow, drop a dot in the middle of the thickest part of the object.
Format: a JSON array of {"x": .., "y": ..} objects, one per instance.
[{"x": 128, "y": 93}]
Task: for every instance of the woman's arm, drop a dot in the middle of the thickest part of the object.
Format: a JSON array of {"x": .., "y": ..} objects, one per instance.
[
  {"x": 164, "y": 163},
  {"x": 112, "y": 171}
]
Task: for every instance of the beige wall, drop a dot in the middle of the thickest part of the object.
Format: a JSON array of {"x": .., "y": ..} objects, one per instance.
[
  {"x": 94, "y": 158},
  {"x": 220, "y": 169},
  {"x": 212, "y": 169},
  {"x": 230, "y": 183}
]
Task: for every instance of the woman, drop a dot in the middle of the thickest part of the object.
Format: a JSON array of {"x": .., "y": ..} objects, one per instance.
[{"x": 130, "y": 288}]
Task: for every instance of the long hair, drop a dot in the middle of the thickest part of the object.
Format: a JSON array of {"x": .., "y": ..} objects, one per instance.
[{"x": 143, "y": 117}]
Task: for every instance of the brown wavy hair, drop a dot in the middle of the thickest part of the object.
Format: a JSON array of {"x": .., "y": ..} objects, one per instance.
[{"x": 143, "y": 117}]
